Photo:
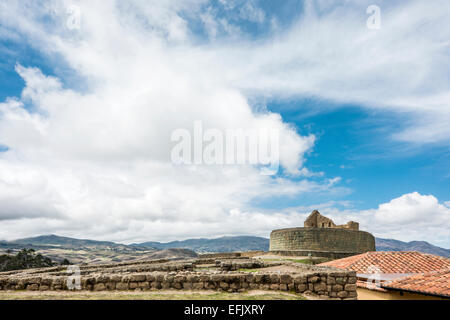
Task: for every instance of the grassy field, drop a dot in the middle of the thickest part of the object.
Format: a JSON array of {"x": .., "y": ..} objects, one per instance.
[{"x": 149, "y": 295}]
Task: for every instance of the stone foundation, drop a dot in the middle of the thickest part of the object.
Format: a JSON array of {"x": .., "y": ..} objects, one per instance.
[
  {"x": 314, "y": 253},
  {"x": 323, "y": 242},
  {"x": 309, "y": 280}
]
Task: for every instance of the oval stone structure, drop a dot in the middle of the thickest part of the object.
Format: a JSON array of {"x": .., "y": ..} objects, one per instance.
[{"x": 323, "y": 239}]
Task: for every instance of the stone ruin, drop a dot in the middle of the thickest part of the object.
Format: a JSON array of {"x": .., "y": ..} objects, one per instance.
[
  {"x": 198, "y": 274},
  {"x": 321, "y": 237},
  {"x": 316, "y": 220}
]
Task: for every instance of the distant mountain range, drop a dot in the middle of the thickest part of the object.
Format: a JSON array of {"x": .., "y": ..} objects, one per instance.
[
  {"x": 65, "y": 242},
  {"x": 62, "y": 246},
  {"x": 421, "y": 246},
  {"x": 223, "y": 244},
  {"x": 89, "y": 251},
  {"x": 249, "y": 243}
]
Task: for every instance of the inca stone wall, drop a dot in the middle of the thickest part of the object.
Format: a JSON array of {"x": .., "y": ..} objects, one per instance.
[
  {"x": 322, "y": 241},
  {"x": 323, "y": 281}
]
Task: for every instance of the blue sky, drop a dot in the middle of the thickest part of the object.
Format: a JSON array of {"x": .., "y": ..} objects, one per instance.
[
  {"x": 354, "y": 144},
  {"x": 86, "y": 116}
]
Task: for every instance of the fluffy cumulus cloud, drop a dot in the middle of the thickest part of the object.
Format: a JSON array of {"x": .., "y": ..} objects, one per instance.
[
  {"x": 97, "y": 162},
  {"x": 411, "y": 208},
  {"x": 413, "y": 216},
  {"x": 93, "y": 160}
]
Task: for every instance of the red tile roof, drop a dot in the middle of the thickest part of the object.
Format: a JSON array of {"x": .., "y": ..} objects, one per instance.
[
  {"x": 370, "y": 286},
  {"x": 391, "y": 262},
  {"x": 435, "y": 283}
]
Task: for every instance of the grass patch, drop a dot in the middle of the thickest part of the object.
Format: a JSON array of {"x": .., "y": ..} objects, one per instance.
[
  {"x": 248, "y": 270},
  {"x": 148, "y": 295},
  {"x": 204, "y": 269},
  {"x": 312, "y": 261},
  {"x": 304, "y": 261},
  {"x": 272, "y": 259}
]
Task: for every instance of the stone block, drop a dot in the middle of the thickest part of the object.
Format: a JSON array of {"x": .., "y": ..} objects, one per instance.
[
  {"x": 299, "y": 279},
  {"x": 253, "y": 286},
  {"x": 166, "y": 285},
  {"x": 223, "y": 285},
  {"x": 197, "y": 286},
  {"x": 320, "y": 286},
  {"x": 33, "y": 287},
  {"x": 133, "y": 285},
  {"x": 350, "y": 287},
  {"x": 177, "y": 285},
  {"x": 35, "y": 280},
  {"x": 138, "y": 278},
  {"x": 234, "y": 286},
  {"x": 337, "y": 288},
  {"x": 351, "y": 280},
  {"x": 302, "y": 287},
  {"x": 145, "y": 285},
  {"x": 192, "y": 278},
  {"x": 274, "y": 278},
  {"x": 274, "y": 286},
  {"x": 286, "y": 278},
  {"x": 155, "y": 285},
  {"x": 99, "y": 287},
  {"x": 47, "y": 281},
  {"x": 110, "y": 285},
  {"x": 121, "y": 286},
  {"x": 159, "y": 277}
]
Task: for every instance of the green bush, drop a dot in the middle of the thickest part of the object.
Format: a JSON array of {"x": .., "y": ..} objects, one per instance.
[{"x": 24, "y": 259}]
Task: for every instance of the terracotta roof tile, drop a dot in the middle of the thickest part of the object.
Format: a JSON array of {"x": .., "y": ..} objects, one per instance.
[
  {"x": 391, "y": 262},
  {"x": 370, "y": 286},
  {"x": 435, "y": 282}
]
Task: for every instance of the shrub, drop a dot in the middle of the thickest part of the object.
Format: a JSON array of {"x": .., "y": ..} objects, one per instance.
[{"x": 24, "y": 259}]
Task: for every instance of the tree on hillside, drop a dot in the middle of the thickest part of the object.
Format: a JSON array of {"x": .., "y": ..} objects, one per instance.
[
  {"x": 65, "y": 262},
  {"x": 24, "y": 259}
]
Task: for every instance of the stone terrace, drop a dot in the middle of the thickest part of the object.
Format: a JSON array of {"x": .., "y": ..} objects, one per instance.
[{"x": 231, "y": 275}]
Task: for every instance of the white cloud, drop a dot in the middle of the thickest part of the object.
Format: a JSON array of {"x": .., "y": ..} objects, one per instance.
[
  {"x": 330, "y": 54},
  {"x": 97, "y": 163},
  {"x": 251, "y": 12},
  {"x": 411, "y": 208}
]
